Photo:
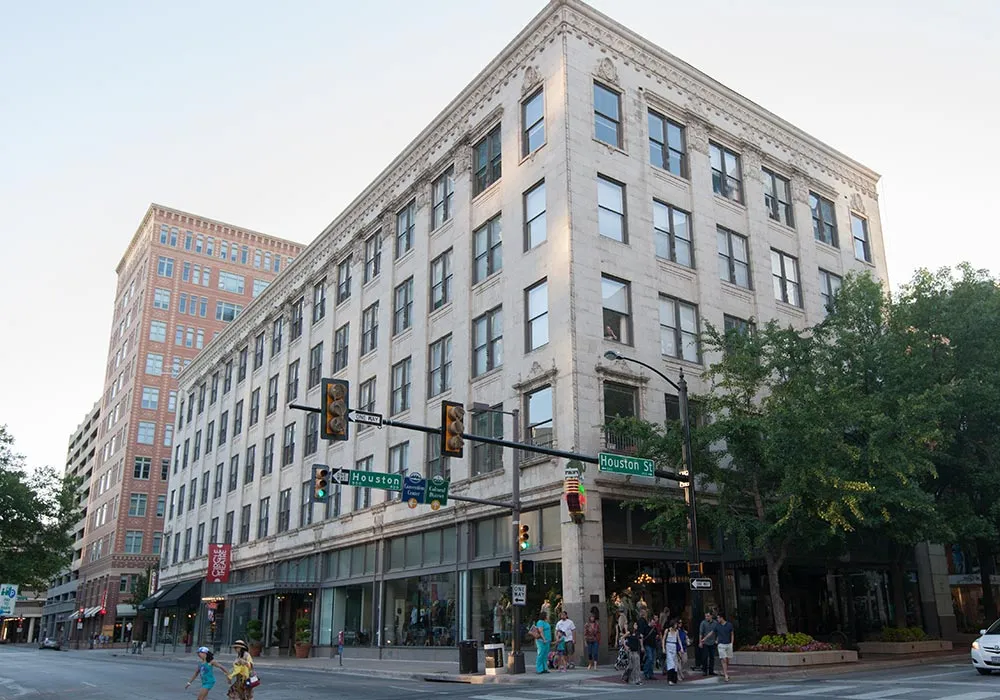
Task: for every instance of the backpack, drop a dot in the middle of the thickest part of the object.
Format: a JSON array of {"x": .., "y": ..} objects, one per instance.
[{"x": 535, "y": 632}]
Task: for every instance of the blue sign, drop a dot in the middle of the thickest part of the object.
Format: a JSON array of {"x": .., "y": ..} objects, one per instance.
[{"x": 414, "y": 488}]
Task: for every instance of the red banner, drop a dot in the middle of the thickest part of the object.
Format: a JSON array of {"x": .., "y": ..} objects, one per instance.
[{"x": 219, "y": 562}]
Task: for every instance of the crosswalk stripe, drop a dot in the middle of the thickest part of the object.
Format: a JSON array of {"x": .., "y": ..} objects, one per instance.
[
  {"x": 549, "y": 693},
  {"x": 878, "y": 694},
  {"x": 821, "y": 690},
  {"x": 969, "y": 696},
  {"x": 750, "y": 691}
]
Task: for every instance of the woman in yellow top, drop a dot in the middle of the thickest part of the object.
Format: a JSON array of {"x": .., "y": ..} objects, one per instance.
[{"x": 242, "y": 670}]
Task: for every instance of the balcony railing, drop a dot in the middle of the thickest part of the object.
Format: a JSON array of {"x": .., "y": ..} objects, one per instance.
[{"x": 618, "y": 443}]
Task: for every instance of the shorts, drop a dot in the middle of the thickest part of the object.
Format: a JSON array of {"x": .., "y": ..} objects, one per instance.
[
  {"x": 570, "y": 648},
  {"x": 726, "y": 651}
]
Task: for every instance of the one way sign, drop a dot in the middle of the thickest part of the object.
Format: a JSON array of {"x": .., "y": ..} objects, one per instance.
[{"x": 340, "y": 476}]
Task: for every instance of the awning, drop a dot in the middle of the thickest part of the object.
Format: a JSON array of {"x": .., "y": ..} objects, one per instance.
[
  {"x": 90, "y": 612},
  {"x": 150, "y": 602},
  {"x": 181, "y": 594},
  {"x": 125, "y": 610},
  {"x": 75, "y": 614}
]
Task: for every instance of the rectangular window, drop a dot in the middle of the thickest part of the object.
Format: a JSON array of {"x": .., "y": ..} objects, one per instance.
[
  {"x": 291, "y": 387},
  {"x": 439, "y": 366},
  {"x": 254, "y": 406},
  {"x": 259, "y": 286},
  {"x": 250, "y": 464},
  {"x": 340, "y": 348},
  {"x": 442, "y": 194},
  {"x": 227, "y": 379},
  {"x": 147, "y": 433},
  {"x": 213, "y": 536},
  {"x": 319, "y": 301},
  {"x": 305, "y": 504},
  {"x": 133, "y": 541},
  {"x": 539, "y": 417},
  {"x": 227, "y": 311},
  {"x": 297, "y": 310},
  {"x": 284, "y": 510},
  {"x": 219, "y": 468},
  {"x": 829, "y": 285},
  {"x": 487, "y": 458},
  {"x": 288, "y": 445},
  {"x": 399, "y": 463},
  {"x": 272, "y": 388},
  {"x": 161, "y": 506},
  {"x": 532, "y": 123},
  {"x": 436, "y": 464},
  {"x": 535, "y": 231},
  {"x": 258, "y": 351},
  {"x": 192, "y": 493},
  {"x": 366, "y": 396},
  {"x": 227, "y": 535},
  {"x": 157, "y": 542},
  {"x": 735, "y": 324},
  {"x": 487, "y": 253},
  {"x": 785, "y": 276},
  {"x": 215, "y": 389},
  {"x": 183, "y": 303},
  {"x": 344, "y": 279},
  {"x": 223, "y": 427},
  {"x": 276, "y": 329},
  {"x": 245, "y": 524},
  {"x": 234, "y": 472},
  {"x": 154, "y": 364},
  {"x": 206, "y": 478},
  {"x": 405, "y": 221},
  {"x": 616, "y": 297},
  {"x": 487, "y": 162},
  {"x": 607, "y": 116},
  {"x": 441, "y": 280},
  {"x": 312, "y": 434},
  {"x": 209, "y": 436},
  {"x": 611, "y": 209},
  {"x": 824, "y": 219},
  {"x": 672, "y": 230},
  {"x": 197, "y": 446},
  {"x": 165, "y": 267},
  {"x": 238, "y": 418},
  {"x": 267, "y": 463},
  {"x": 666, "y": 144},
  {"x": 734, "y": 258},
  {"x": 241, "y": 364},
  {"x": 369, "y": 329},
  {"x": 727, "y": 178},
  {"x": 168, "y": 435},
  {"x": 401, "y": 376},
  {"x": 678, "y": 329},
  {"x": 362, "y": 495},
  {"x": 164, "y": 468},
  {"x": 137, "y": 505},
  {"x": 402, "y": 310},
  {"x": 187, "y": 544},
  {"x": 315, "y": 364},
  {"x": 536, "y": 306},
  {"x": 150, "y": 398},
  {"x": 859, "y": 230},
  {"x": 373, "y": 256},
  {"x": 199, "y": 542},
  {"x": 487, "y": 341},
  {"x": 141, "y": 467},
  {"x": 231, "y": 282},
  {"x": 161, "y": 299},
  {"x": 777, "y": 197},
  {"x": 263, "y": 515},
  {"x": 620, "y": 401}
]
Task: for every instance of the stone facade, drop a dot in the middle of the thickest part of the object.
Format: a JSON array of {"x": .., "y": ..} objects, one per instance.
[{"x": 564, "y": 52}]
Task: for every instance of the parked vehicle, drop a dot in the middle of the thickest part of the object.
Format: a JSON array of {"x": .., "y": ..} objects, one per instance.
[{"x": 49, "y": 643}]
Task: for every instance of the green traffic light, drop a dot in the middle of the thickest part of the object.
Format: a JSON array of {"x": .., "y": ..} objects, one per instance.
[
  {"x": 321, "y": 493},
  {"x": 525, "y": 545}
]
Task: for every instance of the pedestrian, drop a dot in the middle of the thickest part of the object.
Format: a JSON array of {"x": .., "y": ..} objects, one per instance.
[
  {"x": 568, "y": 629},
  {"x": 592, "y": 636},
  {"x": 682, "y": 649},
  {"x": 724, "y": 637},
  {"x": 239, "y": 677},
  {"x": 543, "y": 641},
  {"x": 206, "y": 662},
  {"x": 670, "y": 641},
  {"x": 648, "y": 635},
  {"x": 633, "y": 642},
  {"x": 560, "y": 660},
  {"x": 707, "y": 642}
]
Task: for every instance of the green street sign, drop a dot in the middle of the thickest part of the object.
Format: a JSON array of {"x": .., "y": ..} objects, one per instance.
[
  {"x": 620, "y": 464},
  {"x": 376, "y": 480},
  {"x": 437, "y": 490}
]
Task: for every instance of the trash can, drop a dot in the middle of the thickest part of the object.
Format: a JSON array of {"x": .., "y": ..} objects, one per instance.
[
  {"x": 468, "y": 656},
  {"x": 494, "y": 661}
]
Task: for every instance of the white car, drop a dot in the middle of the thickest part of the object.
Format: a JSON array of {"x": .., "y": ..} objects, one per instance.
[{"x": 986, "y": 650}]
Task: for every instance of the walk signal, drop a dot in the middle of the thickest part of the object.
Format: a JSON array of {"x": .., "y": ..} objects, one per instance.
[
  {"x": 524, "y": 539},
  {"x": 336, "y": 393},
  {"x": 321, "y": 483},
  {"x": 452, "y": 427}
]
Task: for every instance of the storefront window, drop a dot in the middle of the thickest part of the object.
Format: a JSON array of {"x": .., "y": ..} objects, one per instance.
[
  {"x": 492, "y": 613},
  {"x": 449, "y": 538},
  {"x": 326, "y": 635},
  {"x": 352, "y": 613},
  {"x": 614, "y": 519},
  {"x": 422, "y": 610},
  {"x": 551, "y": 528}
]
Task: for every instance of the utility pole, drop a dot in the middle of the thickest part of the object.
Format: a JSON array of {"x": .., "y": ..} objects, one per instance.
[
  {"x": 685, "y": 410},
  {"x": 516, "y": 654}
]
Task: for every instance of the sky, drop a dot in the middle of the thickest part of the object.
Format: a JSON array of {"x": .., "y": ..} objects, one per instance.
[{"x": 274, "y": 116}]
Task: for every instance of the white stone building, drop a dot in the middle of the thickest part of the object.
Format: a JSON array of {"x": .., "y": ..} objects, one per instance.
[{"x": 638, "y": 200}]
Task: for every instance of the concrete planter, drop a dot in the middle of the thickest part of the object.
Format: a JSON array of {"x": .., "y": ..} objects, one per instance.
[
  {"x": 904, "y": 647},
  {"x": 793, "y": 658}
]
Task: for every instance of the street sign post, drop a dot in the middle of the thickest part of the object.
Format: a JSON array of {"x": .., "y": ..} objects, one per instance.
[
  {"x": 519, "y": 594},
  {"x": 366, "y": 417},
  {"x": 701, "y": 584},
  {"x": 621, "y": 464},
  {"x": 376, "y": 480},
  {"x": 414, "y": 488},
  {"x": 437, "y": 492}
]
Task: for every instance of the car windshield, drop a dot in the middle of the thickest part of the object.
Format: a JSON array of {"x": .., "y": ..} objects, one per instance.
[{"x": 994, "y": 628}]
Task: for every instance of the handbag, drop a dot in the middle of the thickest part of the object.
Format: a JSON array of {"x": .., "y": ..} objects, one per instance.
[{"x": 253, "y": 681}]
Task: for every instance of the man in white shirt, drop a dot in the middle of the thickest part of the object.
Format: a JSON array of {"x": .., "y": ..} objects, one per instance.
[{"x": 566, "y": 627}]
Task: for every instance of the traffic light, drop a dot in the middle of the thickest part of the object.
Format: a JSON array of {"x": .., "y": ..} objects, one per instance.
[
  {"x": 524, "y": 539},
  {"x": 452, "y": 427},
  {"x": 576, "y": 500},
  {"x": 336, "y": 394},
  {"x": 321, "y": 483}
]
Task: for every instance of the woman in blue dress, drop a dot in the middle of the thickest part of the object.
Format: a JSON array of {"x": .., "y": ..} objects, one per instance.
[{"x": 543, "y": 643}]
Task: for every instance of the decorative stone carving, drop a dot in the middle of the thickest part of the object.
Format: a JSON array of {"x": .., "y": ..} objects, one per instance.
[
  {"x": 532, "y": 78},
  {"x": 423, "y": 193},
  {"x": 857, "y": 203},
  {"x": 751, "y": 164},
  {"x": 800, "y": 189},
  {"x": 697, "y": 136},
  {"x": 463, "y": 158},
  {"x": 606, "y": 70}
]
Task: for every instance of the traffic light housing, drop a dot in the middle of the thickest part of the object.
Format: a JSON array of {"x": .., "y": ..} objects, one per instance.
[
  {"x": 452, "y": 427},
  {"x": 321, "y": 483},
  {"x": 576, "y": 499},
  {"x": 336, "y": 397},
  {"x": 524, "y": 539}
]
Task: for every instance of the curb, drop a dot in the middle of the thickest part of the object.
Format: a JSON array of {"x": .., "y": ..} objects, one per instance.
[{"x": 841, "y": 669}]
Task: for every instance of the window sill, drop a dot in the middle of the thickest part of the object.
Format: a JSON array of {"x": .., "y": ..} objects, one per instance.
[
  {"x": 531, "y": 459},
  {"x": 530, "y": 156},
  {"x": 670, "y": 177},
  {"x": 405, "y": 256},
  {"x": 487, "y": 283},
  {"x": 490, "y": 188},
  {"x": 372, "y": 282},
  {"x": 730, "y": 203},
  {"x": 781, "y": 228},
  {"x": 443, "y": 227},
  {"x": 611, "y": 148},
  {"x": 667, "y": 265},
  {"x": 440, "y": 311},
  {"x": 789, "y": 308},
  {"x": 487, "y": 374},
  {"x": 403, "y": 334},
  {"x": 623, "y": 241},
  {"x": 866, "y": 263},
  {"x": 679, "y": 362},
  {"x": 828, "y": 247},
  {"x": 743, "y": 293},
  {"x": 485, "y": 475}
]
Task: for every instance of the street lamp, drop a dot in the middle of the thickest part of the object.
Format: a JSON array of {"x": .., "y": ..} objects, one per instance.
[
  {"x": 516, "y": 660},
  {"x": 682, "y": 398}
]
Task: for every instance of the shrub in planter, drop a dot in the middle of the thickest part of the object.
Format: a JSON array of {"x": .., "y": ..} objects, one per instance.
[
  {"x": 793, "y": 642},
  {"x": 255, "y": 633},
  {"x": 303, "y": 637},
  {"x": 901, "y": 634}
]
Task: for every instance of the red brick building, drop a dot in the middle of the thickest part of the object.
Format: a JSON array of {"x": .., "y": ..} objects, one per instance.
[{"x": 181, "y": 280}]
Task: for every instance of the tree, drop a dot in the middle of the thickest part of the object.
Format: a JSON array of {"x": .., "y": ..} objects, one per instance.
[
  {"x": 140, "y": 589},
  {"x": 37, "y": 512}
]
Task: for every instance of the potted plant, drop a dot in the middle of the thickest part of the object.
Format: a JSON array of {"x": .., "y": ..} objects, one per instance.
[
  {"x": 303, "y": 637},
  {"x": 255, "y": 633}
]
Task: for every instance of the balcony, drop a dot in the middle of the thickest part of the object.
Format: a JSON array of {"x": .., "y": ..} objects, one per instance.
[{"x": 618, "y": 443}]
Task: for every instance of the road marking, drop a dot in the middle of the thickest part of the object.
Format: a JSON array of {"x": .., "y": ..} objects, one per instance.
[
  {"x": 875, "y": 695},
  {"x": 968, "y": 696},
  {"x": 822, "y": 690},
  {"x": 409, "y": 689},
  {"x": 749, "y": 691},
  {"x": 549, "y": 693}
]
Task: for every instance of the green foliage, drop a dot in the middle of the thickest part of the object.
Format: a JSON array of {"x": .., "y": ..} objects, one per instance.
[
  {"x": 140, "y": 589},
  {"x": 902, "y": 634},
  {"x": 303, "y": 630},
  {"x": 255, "y": 630},
  {"x": 37, "y": 511},
  {"x": 793, "y": 642}
]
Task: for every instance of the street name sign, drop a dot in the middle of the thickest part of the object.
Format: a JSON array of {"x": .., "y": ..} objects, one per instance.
[
  {"x": 437, "y": 492},
  {"x": 376, "y": 480},
  {"x": 414, "y": 488},
  {"x": 621, "y": 464},
  {"x": 365, "y": 417},
  {"x": 701, "y": 584},
  {"x": 519, "y": 594}
]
